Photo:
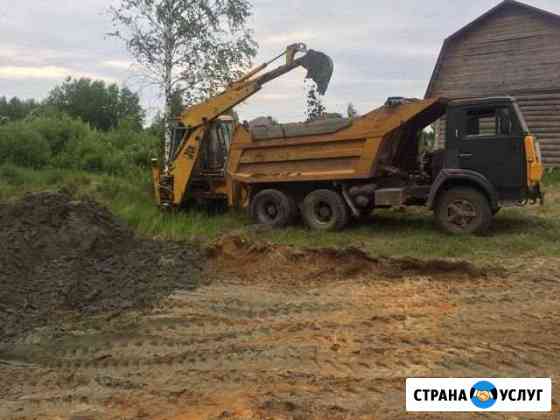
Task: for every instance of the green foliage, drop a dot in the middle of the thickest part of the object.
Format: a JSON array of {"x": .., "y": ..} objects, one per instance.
[
  {"x": 551, "y": 177},
  {"x": 59, "y": 130},
  {"x": 12, "y": 175},
  {"x": 103, "y": 106},
  {"x": 16, "y": 109},
  {"x": 64, "y": 142},
  {"x": 116, "y": 152},
  {"x": 427, "y": 141},
  {"x": 21, "y": 145}
]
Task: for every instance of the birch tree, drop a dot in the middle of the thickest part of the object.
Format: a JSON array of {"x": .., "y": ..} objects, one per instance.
[{"x": 188, "y": 47}]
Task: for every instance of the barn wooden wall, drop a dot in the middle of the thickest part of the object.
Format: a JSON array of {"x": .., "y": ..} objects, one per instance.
[
  {"x": 542, "y": 113},
  {"x": 516, "y": 52}
]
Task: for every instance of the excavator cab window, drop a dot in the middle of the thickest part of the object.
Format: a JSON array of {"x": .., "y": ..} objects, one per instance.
[
  {"x": 216, "y": 147},
  {"x": 179, "y": 132}
]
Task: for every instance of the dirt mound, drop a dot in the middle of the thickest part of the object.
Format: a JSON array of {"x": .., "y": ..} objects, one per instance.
[
  {"x": 58, "y": 254},
  {"x": 247, "y": 258}
]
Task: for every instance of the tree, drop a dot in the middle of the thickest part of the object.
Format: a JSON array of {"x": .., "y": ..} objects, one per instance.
[
  {"x": 102, "y": 106},
  {"x": 351, "y": 111},
  {"x": 427, "y": 140},
  {"x": 157, "y": 128},
  {"x": 194, "y": 47},
  {"x": 16, "y": 109}
]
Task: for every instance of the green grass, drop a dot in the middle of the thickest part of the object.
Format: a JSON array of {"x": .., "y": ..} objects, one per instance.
[
  {"x": 413, "y": 233},
  {"x": 552, "y": 176},
  {"x": 517, "y": 233}
]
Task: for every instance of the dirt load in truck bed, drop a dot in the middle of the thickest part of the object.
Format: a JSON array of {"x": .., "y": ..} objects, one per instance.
[{"x": 58, "y": 254}]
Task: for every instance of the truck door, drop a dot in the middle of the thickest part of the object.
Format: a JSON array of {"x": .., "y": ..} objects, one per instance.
[{"x": 490, "y": 142}]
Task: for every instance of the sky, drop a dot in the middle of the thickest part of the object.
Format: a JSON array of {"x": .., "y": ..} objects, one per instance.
[{"x": 380, "y": 48}]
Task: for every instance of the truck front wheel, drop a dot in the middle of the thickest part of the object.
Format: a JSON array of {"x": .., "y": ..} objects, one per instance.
[
  {"x": 325, "y": 210},
  {"x": 463, "y": 211},
  {"x": 273, "y": 208}
]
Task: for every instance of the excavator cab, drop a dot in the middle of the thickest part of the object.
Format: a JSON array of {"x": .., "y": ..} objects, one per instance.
[{"x": 215, "y": 147}]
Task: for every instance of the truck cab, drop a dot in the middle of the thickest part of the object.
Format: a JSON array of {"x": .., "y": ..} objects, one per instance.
[{"x": 490, "y": 160}]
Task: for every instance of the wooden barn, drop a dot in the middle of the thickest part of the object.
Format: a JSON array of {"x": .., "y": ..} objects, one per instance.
[{"x": 513, "y": 49}]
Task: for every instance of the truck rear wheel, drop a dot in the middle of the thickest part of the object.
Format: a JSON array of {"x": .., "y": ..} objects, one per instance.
[
  {"x": 325, "y": 210},
  {"x": 273, "y": 208},
  {"x": 463, "y": 211}
]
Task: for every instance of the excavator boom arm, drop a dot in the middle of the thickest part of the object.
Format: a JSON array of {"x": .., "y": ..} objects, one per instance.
[{"x": 318, "y": 65}]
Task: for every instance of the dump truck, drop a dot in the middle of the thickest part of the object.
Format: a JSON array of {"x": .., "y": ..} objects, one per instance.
[{"x": 329, "y": 171}]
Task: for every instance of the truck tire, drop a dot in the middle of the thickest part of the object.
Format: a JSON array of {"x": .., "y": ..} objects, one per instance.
[
  {"x": 273, "y": 208},
  {"x": 463, "y": 211},
  {"x": 325, "y": 210}
]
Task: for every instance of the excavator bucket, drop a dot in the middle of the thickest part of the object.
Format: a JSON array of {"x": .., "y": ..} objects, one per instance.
[{"x": 319, "y": 68}]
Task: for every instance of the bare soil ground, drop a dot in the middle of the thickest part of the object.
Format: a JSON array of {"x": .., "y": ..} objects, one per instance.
[
  {"x": 284, "y": 333},
  {"x": 59, "y": 254}
]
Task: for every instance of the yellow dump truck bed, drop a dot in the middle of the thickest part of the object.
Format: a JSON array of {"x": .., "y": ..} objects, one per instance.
[{"x": 338, "y": 149}]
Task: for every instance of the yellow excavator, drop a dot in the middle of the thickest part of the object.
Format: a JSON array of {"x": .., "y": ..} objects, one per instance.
[
  {"x": 329, "y": 170},
  {"x": 195, "y": 166}
]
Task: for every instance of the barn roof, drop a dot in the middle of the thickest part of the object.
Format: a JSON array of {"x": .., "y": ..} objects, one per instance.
[{"x": 478, "y": 21}]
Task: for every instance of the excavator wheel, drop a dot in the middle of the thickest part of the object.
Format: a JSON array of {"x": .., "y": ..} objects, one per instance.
[
  {"x": 325, "y": 210},
  {"x": 273, "y": 208}
]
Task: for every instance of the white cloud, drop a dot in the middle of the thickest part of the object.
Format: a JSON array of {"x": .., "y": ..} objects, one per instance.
[
  {"x": 285, "y": 39},
  {"x": 275, "y": 96},
  {"x": 20, "y": 72},
  {"x": 117, "y": 64},
  {"x": 45, "y": 73}
]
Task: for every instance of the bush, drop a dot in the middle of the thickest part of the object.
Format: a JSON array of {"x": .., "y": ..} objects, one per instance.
[
  {"x": 142, "y": 150},
  {"x": 24, "y": 146},
  {"x": 59, "y": 130},
  {"x": 90, "y": 153},
  {"x": 59, "y": 141},
  {"x": 116, "y": 153}
]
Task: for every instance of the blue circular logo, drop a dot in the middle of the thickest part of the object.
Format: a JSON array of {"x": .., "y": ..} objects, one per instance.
[{"x": 484, "y": 394}]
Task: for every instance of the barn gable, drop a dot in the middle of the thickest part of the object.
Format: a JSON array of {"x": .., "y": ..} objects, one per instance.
[{"x": 513, "y": 49}]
